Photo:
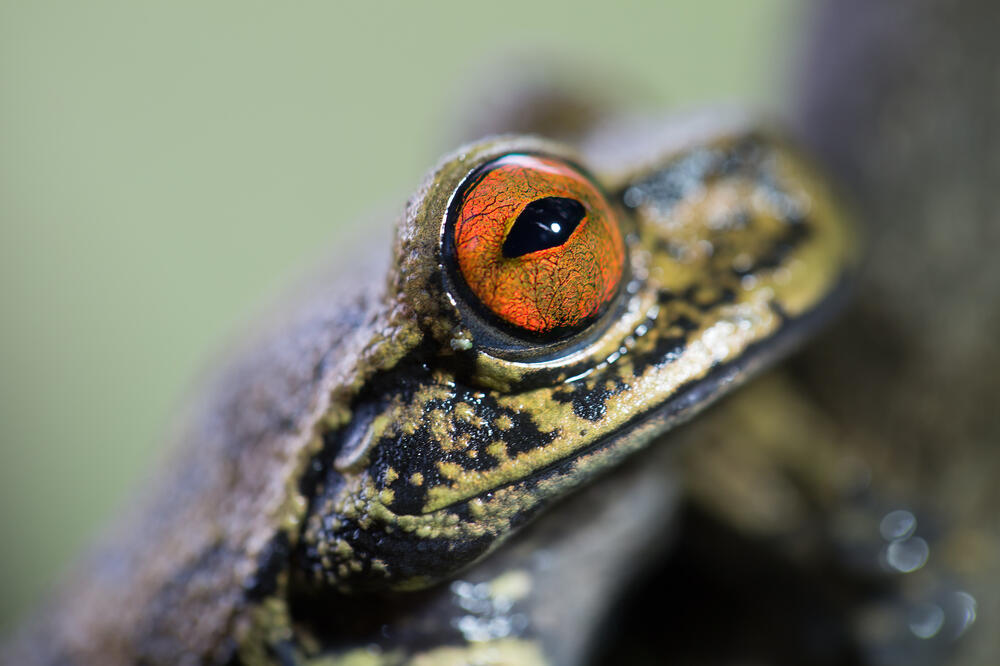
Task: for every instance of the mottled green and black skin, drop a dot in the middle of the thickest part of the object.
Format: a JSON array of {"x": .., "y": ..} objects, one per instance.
[
  {"x": 381, "y": 438},
  {"x": 454, "y": 447}
]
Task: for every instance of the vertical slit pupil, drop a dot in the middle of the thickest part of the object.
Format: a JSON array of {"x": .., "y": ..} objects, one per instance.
[{"x": 544, "y": 223}]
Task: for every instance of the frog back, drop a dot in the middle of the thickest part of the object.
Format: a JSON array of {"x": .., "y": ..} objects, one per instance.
[{"x": 178, "y": 575}]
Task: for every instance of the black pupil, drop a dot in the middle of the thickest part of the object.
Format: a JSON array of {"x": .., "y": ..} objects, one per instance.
[{"x": 544, "y": 223}]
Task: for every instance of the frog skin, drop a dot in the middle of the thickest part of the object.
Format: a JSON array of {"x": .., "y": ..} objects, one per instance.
[{"x": 387, "y": 432}]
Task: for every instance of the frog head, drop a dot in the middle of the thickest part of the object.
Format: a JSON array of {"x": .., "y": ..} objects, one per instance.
[{"x": 549, "y": 311}]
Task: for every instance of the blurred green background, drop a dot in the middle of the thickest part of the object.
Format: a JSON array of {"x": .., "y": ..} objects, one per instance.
[{"x": 162, "y": 168}]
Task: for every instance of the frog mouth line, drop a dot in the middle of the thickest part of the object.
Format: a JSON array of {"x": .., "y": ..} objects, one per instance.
[{"x": 685, "y": 403}]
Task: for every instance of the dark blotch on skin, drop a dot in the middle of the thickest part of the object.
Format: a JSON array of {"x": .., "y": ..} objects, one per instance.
[
  {"x": 272, "y": 561},
  {"x": 586, "y": 407},
  {"x": 797, "y": 232},
  {"x": 666, "y": 349},
  {"x": 407, "y": 556},
  {"x": 684, "y": 323},
  {"x": 589, "y": 404},
  {"x": 421, "y": 451}
]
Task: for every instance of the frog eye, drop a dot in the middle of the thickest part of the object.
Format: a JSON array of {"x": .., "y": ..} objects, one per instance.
[{"x": 537, "y": 244}]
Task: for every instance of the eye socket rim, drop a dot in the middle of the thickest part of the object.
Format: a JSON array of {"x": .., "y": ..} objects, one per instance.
[{"x": 498, "y": 337}]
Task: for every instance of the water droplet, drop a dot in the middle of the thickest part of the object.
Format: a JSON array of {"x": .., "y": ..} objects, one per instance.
[
  {"x": 634, "y": 197},
  {"x": 907, "y": 555},
  {"x": 926, "y": 620},
  {"x": 897, "y": 525},
  {"x": 965, "y": 610}
]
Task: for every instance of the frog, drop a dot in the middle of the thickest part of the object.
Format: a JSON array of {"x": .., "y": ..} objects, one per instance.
[{"x": 436, "y": 451}]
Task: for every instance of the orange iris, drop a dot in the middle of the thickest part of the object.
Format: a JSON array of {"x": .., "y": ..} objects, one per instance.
[{"x": 538, "y": 244}]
